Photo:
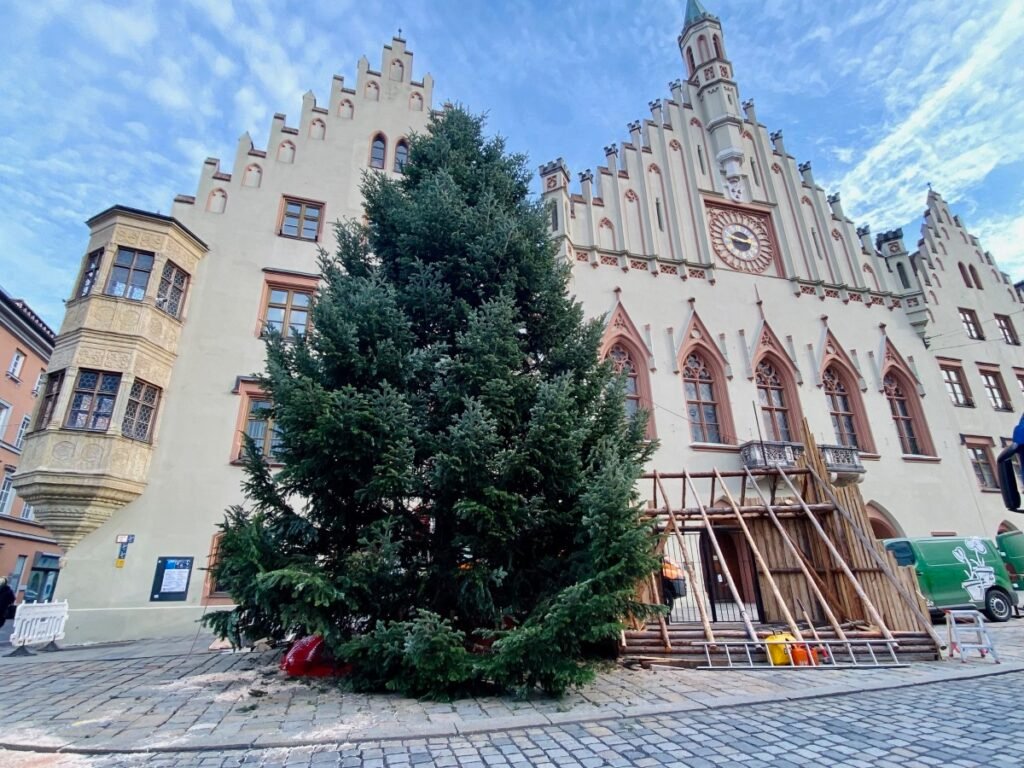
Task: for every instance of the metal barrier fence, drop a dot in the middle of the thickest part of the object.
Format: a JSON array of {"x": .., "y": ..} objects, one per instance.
[{"x": 38, "y": 623}]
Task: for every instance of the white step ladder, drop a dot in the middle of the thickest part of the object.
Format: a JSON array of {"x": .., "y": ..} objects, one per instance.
[{"x": 966, "y": 632}]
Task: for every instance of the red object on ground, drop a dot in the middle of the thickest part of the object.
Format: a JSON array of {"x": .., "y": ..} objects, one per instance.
[{"x": 309, "y": 657}]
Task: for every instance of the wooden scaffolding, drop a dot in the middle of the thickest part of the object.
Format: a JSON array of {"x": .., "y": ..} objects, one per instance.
[{"x": 775, "y": 549}]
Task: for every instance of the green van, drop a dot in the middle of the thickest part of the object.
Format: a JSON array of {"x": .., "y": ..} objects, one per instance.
[
  {"x": 958, "y": 573},
  {"x": 1011, "y": 547}
]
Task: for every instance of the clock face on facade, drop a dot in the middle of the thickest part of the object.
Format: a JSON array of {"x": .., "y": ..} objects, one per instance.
[{"x": 740, "y": 239}]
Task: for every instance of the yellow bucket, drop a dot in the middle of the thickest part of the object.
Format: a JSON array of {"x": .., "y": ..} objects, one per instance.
[{"x": 776, "y": 645}]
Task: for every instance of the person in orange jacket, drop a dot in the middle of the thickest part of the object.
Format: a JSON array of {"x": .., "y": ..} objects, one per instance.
[{"x": 673, "y": 583}]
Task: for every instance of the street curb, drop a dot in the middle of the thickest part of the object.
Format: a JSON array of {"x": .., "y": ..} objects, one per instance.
[{"x": 519, "y": 722}]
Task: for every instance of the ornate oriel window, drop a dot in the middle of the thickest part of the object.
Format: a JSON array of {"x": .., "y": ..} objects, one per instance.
[
  {"x": 902, "y": 414},
  {"x": 130, "y": 274},
  {"x": 170, "y": 296},
  {"x": 841, "y": 408},
  {"x": 771, "y": 393},
  {"x": 92, "y": 404},
  {"x": 623, "y": 363},
  {"x": 701, "y": 403},
  {"x": 143, "y": 399}
]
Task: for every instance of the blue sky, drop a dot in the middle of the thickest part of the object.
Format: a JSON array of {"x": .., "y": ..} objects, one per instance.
[{"x": 119, "y": 102}]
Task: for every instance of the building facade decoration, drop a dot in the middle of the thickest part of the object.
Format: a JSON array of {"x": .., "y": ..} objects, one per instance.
[{"x": 149, "y": 388}]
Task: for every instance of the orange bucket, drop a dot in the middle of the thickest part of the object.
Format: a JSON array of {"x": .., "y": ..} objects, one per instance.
[{"x": 804, "y": 656}]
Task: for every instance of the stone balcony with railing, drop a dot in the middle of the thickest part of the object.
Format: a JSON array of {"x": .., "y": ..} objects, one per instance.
[{"x": 843, "y": 463}]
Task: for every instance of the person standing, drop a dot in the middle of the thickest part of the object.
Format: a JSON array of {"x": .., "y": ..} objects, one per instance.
[{"x": 7, "y": 599}]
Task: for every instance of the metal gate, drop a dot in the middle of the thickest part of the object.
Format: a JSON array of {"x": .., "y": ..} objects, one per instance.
[{"x": 711, "y": 586}]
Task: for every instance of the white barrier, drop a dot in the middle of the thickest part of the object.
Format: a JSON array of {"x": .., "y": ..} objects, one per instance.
[{"x": 38, "y": 623}]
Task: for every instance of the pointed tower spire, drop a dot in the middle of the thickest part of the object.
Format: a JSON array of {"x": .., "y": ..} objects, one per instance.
[{"x": 695, "y": 12}]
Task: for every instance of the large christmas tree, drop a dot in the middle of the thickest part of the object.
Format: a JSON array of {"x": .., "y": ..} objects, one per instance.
[{"x": 457, "y": 499}]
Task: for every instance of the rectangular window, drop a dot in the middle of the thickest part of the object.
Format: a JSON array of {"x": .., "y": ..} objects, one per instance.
[
  {"x": 287, "y": 311},
  {"x": 92, "y": 403},
  {"x": 19, "y": 439},
  {"x": 969, "y": 318},
  {"x": 130, "y": 274},
  {"x": 261, "y": 428},
  {"x": 5, "y": 420},
  {"x": 1020, "y": 381},
  {"x": 139, "y": 414},
  {"x": 301, "y": 219},
  {"x": 27, "y": 513},
  {"x": 53, "y": 385},
  {"x": 39, "y": 383},
  {"x": 657, "y": 209},
  {"x": 981, "y": 461},
  {"x": 6, "y": 494},
  {"x": 995, "y": 389},
  {"x": 956, "y": 385},
  {"x": 89, "y": 273},
  {"x": 170, "y": 296},
  {"x": 14, "y": 580},
  {"x": 1007, "y": 330},
  {"x": 17, "y": 363}
]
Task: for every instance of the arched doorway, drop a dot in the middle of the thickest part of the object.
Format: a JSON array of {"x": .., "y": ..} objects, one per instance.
[{"x": 883, "y": 524}]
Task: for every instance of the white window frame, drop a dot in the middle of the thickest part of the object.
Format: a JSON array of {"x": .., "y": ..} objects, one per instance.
[
  {"x": 19, "y": 438},
  {"x": 5, "y": 417},
  {"x": 6, "y": 494},
  {"x": 17, "y": 363}
]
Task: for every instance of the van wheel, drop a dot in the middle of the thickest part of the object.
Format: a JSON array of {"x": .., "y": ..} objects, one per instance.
[{"x": 997, "y": 605}]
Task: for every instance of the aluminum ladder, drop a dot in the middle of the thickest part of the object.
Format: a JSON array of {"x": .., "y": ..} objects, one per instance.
[
  {"x": 739, "y": 654},
  {"x": 966, "y": 632}
]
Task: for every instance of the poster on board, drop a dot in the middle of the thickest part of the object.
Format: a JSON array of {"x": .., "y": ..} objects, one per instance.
[{"x": 171, "y": 580}]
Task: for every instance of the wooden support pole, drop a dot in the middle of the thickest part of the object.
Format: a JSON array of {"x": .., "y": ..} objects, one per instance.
[
  {"x": 922, "y": 619},
  {"x": 761, "y": 562},
  {"x": 811, "y": 578},
  {"x": 725, "y": 566},
  {"x": 691, "y": 574},
  {"x": 868, "y": 604}
]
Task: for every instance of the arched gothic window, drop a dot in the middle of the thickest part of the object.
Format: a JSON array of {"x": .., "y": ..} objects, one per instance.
[
  {"x": 701, "y": 403},
  {"x": 702, "y": 47},
  {"x": 718, "y": 47},
  {"x": 397, "y": 70},
  {"x": 378, "y": 150},
  {"x": 401, "y": 156},
  {"x": 841, "y": 408},
  {"x": 902, "y": 272},
  {"x": 286, "y": 152},
  {"x": 372, "y": 91},
  {"x": 690, "y": 62},
  {"x": 904, "y": 415},
  {"x": 963, "y": 273},
  {"x": 771, "y": 393},
  {"x": 977, "y": 280},
  {"x": 623, "y": 363}
]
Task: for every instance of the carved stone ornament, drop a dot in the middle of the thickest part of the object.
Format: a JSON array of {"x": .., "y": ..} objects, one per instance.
[{"x": 742, "y": 240}]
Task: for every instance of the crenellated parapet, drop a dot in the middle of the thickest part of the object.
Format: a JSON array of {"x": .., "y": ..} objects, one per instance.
[
  {"x": 92, "y": 438},
  {"x": 366, "y": 105},
  {"x": 669, "y": 195}
]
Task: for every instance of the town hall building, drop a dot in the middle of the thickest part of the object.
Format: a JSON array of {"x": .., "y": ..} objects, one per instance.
[{"x": 739, "y": 300}]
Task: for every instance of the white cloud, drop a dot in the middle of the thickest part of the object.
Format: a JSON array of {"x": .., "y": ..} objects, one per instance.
[
  {"x": 1003, "y": 236},
  {"x": 122, "y": 31}
]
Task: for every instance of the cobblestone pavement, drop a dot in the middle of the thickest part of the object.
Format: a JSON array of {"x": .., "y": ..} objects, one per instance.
[
  {"x": 161, "y": 696},
  {"x": 958, "y": 723}
]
